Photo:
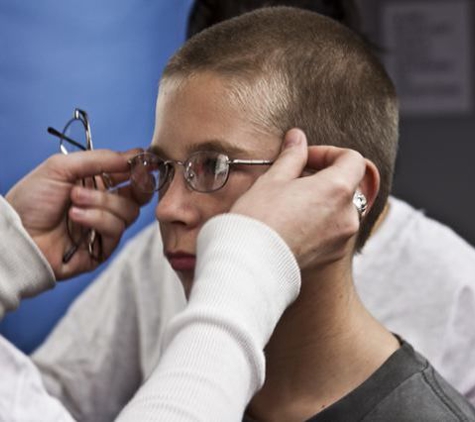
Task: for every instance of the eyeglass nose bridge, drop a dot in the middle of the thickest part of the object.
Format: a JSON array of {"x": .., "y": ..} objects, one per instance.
[{"x": 188, "y": 174}]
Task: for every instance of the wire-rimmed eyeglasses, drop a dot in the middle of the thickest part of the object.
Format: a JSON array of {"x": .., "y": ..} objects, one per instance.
[
  {"x": 76, "y": 136},
  {"x": 204, "y": 171}
]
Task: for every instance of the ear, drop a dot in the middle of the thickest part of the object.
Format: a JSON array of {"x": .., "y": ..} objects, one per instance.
[{"x": 369, "y": 185}]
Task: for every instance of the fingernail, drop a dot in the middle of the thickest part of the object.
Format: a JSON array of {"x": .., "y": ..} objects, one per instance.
[
  {"x": 84, "y": 194},
  {"x": 292, "y": 139},
  {"x": 77, "y": 212}
]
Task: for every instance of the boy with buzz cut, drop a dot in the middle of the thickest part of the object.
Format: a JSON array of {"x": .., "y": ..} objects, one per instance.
[
  {"x": 229, "y": 96},
  {"x": 226, "y": 101}
]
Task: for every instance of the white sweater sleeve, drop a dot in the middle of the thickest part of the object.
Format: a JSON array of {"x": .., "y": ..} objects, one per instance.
[
  {"x": 213, "y": 363},
  {"x": 24, "y": 272},
  {"x": 22, "y": 394}
]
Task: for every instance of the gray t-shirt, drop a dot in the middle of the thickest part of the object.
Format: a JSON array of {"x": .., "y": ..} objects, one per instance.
[{"x": 406, "y": 388}]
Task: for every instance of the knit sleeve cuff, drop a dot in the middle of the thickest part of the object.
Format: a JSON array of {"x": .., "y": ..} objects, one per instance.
[
  {"x": 24, "y": 272},
  {"x": 245, "y": 270}
]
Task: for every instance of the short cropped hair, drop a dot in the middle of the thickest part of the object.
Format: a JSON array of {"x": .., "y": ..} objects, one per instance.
[{"x": 289, "y": 67}]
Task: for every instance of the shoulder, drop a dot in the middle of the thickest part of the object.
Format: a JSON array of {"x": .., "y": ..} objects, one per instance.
[
  {"x": 145, "y": 243},
  {"x": 405, "y": 388},
  {"x": 421, "y": 395},
  {"x": 405, "y": 225},
  {"x": 408, "y": 238},
  {"x": 141, "y": 258},
  {"x": 138, "y": 271}
]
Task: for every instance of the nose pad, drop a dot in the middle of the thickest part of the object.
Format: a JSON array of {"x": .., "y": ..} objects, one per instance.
[{"x": 189, "y": 175}]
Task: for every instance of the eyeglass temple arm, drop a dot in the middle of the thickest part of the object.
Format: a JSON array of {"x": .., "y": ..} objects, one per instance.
[
  {"x": 306, "y": 171},
  {"x": 53, "y": 131},
  {"x": 252, "y": 162}
]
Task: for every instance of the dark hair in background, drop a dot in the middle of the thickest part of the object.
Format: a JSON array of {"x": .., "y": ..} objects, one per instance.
[{"x": 205, "y": 13}]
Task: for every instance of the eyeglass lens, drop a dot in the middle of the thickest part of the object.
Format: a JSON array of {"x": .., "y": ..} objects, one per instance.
[
  {"x": 148, "y": 172},
  {"x": 76, "y": 131},
  {"x": 203, "y": 171},
  {"x": 207, "y": 171}
]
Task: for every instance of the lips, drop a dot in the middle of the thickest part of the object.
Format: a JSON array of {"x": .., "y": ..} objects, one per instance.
[{"x": 181, "y": 261}]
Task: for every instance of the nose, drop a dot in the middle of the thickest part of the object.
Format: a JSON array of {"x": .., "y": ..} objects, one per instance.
[{"x": 175, "y": 202}]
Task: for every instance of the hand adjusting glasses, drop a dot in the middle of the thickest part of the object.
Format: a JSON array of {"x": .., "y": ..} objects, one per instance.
[
  {"x": 204, "y": 171},
  {"x": 76, "y": 136}
]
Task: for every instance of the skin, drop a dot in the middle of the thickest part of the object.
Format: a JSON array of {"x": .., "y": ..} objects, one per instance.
[
  {"x": 43, "y": 197},
  {"x": 327, "y": 328},
  {"x": 186, "y": 122}
]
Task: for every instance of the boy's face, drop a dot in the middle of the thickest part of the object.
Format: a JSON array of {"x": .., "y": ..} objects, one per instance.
[{"x": 197, "y": 115}]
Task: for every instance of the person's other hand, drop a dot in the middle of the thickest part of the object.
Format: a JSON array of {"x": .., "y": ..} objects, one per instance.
[
  {"x": 44, "y": 197},
  {"x": 314, "y": 213}
]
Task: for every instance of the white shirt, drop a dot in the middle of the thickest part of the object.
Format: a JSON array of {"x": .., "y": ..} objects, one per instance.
[{"x": 229, "y": 318}]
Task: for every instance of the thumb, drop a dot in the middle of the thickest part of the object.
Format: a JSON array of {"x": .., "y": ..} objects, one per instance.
[{"x": 293, "y": 157}]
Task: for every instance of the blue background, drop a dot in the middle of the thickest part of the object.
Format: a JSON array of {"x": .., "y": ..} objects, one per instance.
[
  {"x": 106, "y": 57},
  {"x": 103, "y": 56}
]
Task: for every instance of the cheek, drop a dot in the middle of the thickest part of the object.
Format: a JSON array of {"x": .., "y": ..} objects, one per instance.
[
  {"x": 219, "y": 202},
  {"x": 193, "y": 213},
  {"x": 241, "y": 181},
  {"x": 237, "y": 185},
  {"x": 222, "y": 200},
  {"x": 198, "y": 210}
]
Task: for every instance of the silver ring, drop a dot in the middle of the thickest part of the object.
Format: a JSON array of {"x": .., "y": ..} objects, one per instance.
[{"x": 361, "y": 203}]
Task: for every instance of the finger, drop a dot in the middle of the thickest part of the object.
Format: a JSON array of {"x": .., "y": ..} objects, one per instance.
[
  {"x": 292, "y": 159},
  {"x": 122, "y": 207},
  {"x": 322, "y": 156},
  {"x": 112, "y": 180},
  {"x": 340, "y": 163},
  {"x": 91, "y": 163},
  {"x": 105, "y": 223},
  {"x": 350, "y": 166}
]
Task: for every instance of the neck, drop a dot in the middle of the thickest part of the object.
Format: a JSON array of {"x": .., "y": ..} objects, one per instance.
[{"x": 325, "y": 345}]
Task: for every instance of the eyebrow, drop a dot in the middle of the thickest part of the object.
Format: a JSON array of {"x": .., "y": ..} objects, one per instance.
[{"x": 217, "y": 145}]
